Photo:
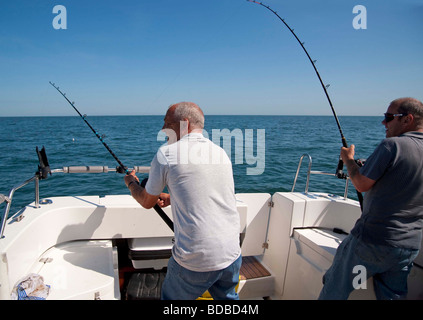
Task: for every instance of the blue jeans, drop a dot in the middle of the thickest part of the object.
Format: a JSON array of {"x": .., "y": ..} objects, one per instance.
[
  {"x": 389, "y": 267},
  {"x": 183, "y": 284}
]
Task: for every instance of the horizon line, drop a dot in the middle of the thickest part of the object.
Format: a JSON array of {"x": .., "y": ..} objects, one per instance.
[{"x": 160, "y": 115}]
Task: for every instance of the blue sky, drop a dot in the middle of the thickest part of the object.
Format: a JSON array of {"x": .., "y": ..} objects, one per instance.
[{"x": 136, "y": 57}]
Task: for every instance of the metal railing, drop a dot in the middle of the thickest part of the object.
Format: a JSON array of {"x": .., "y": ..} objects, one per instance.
[
  {"x": 78, "y": 169},
  {"x": 309, "y": 172},
  {"x": 138, "y": 169},
  {"x": 9, "y": 198}
]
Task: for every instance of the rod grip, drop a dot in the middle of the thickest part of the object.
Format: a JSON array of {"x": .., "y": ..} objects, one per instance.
[
  {"x": 339, "y": 169},
  {"x": 141, "y": 169},
  {"x": 86, "y": 169}
]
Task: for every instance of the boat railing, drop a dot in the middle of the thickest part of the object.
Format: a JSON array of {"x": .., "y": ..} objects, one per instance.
[
  {"x": 74, "y": 169},
  {"x": 310, "y": 172}
]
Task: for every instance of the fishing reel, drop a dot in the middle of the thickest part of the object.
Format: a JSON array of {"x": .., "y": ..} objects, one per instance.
[
  {"x": 339, "y": 170},
  {"x": 360, "y": 162},
  {"x": 120, "y": 169},
  {"x": 43, "y": 167},
  {"x": 340, "y": 174}
]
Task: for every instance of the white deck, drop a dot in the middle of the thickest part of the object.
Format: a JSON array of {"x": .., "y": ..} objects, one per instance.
[{"x": 80, "y": 270}]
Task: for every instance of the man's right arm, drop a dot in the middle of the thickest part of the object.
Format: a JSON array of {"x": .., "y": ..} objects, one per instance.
[
  {"x": 145, "y": 199},
  {"x": 360, "y": 182}
]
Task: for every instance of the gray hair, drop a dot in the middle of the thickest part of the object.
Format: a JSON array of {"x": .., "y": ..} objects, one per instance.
[
  {"x": 411, "y": 106},
  {"x": 190, "y": 111}
]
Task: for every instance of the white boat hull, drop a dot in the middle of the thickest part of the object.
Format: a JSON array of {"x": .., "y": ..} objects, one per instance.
[{"x": 71, "y": 242}]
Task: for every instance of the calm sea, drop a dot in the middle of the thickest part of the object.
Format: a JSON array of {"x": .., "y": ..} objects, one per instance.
[{"x": 135, "y": 139}]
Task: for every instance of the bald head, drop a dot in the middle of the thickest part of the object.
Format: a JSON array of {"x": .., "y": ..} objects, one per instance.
[
  {"x": 410, "y": 106},
  {"x": 184, "y": 111},
  {"x": 182, "y": 118}
]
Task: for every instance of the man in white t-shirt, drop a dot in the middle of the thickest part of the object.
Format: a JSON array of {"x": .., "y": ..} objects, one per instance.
[{"x": 198, "y": 175}]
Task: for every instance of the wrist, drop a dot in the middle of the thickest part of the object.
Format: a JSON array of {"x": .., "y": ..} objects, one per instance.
[
  {"x": 353, "y": 168},
  {"x": 350, "y": 162},
  {"x": 130, "y": 183}
]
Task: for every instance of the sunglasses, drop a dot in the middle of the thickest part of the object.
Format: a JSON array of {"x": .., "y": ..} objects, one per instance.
[{"x": 391, "y": 116}]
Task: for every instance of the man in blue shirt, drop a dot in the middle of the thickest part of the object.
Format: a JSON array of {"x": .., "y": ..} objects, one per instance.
[{"x": 387, "y": 237}]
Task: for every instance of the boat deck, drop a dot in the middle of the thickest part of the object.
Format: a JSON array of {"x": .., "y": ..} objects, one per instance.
[{"x": 251, "y": 268}]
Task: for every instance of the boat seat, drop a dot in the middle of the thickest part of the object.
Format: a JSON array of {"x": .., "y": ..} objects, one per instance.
[
  {"x": 322, "y": 241},
  {"x": 311, "y": 253},
  {"x": 150, "y": 252},
  {"x": 316, "y": 247},
  {"x": 80, "y": 270}
]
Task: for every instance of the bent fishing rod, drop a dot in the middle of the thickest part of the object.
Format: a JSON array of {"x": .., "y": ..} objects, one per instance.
[
  {"x": 121, "y": 168},
  {"x": 339, "y": 171}
]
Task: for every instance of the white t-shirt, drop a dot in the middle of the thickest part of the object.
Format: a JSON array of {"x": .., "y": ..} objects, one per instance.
[{"x": 199, "y": 178}]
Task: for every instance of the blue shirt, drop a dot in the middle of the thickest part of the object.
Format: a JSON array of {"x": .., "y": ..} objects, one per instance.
[{"x": 393, "y": 207}]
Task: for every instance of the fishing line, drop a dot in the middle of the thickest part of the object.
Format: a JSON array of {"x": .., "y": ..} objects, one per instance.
[
  {"x": 344, "y": 142},
  {"x": 339, "y": 171},
  {"x": 121, "y": 168}
]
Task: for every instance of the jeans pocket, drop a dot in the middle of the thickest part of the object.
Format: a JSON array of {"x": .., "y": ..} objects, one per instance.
[
  {"x": 372, "y": 254},
  {"x": 194, "y": 277}
]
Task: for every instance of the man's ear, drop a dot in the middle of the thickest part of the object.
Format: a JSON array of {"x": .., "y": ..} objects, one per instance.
[
  {"x": 408, "y": 119},
  {"x": 409, "y": 122},
  {"x": 184, "y": 127}
]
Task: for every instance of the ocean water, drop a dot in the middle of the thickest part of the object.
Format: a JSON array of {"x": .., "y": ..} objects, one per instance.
[{"x": 265, "y": 151}]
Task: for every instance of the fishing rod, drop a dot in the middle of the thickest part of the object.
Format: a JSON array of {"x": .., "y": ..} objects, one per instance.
[
  {"x": 121, "y": 168},
  {"x": 339, "y": 170}
]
